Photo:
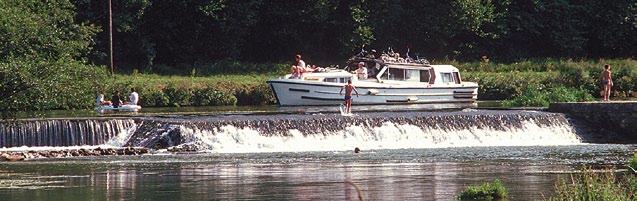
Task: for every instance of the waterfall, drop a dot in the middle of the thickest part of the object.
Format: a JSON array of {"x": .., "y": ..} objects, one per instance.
[
  {"x": 308, "y": 132},
  {"x": 61, "y": 132}
]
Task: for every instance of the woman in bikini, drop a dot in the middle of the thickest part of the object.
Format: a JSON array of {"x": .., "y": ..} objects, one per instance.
[{"x": 607, "y": 82}]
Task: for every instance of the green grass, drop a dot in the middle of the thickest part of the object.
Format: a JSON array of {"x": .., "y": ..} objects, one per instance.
[
  {"x": 486, "y": 191},
  {"x": 594, "y": 186}
]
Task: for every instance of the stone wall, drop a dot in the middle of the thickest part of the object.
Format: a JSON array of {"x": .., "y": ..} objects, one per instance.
[{"x": 616, "y": 120}]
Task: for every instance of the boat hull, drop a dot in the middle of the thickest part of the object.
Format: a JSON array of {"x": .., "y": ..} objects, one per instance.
[{"x": 290, "y": 93}]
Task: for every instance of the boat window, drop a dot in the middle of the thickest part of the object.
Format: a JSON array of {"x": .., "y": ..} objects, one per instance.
[
  {"x": 424, "y": 75},
  {"x": 330, "y": 79},
  {"x": 343, "y": 79},
  {"x": 396, "y": 74},
  {"x": 446, "y": 77},
  {"x": 412, "y": 75},
  {"x": 456, "y": 77}
]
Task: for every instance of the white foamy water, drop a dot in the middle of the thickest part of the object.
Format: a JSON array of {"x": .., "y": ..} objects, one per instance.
[
  {"x": 231, "y": 139},
  {"x": 122, "y": 137}
]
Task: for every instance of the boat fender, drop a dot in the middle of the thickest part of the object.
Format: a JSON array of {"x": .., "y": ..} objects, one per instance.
[{"x": 372, "y": 92}]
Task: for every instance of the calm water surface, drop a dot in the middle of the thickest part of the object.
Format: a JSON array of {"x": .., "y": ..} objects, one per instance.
[{"x": 408, "y": 174}]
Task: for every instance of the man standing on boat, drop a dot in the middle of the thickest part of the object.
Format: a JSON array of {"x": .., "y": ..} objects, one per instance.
[
  {"x": 348, "y": 95},
  {"x": 361, "y": 72}
]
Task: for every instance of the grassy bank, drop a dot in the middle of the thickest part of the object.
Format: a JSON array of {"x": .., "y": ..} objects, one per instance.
[
  {"x": 162, "y": 91},
  {"x": 529, "y": 83},
  {"x": 539, "y": 82}
]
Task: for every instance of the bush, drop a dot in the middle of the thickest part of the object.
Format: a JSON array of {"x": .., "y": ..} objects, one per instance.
[
  {"x": 503, "y": 86},
  {"x": 486, "y": 191},
  {"x": 212, "y": 97},
  {"x": 178, "y": 96},
  {"x": 533, "y": 97}
]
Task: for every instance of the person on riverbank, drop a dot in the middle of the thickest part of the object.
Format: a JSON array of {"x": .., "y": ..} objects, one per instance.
[
  {"x": 299, "y": 67},
  {"x": 607, "y": 82},
  {"x": 133, "y": 97},
  {"x": 116, "y": 99},
  {"x": 348, "y": 95}
]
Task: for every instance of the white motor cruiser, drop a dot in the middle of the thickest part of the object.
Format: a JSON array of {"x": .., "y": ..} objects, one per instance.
[{"x": 393, "y": 81}]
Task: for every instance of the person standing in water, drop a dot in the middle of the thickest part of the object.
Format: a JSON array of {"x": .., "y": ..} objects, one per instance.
[
  {"x": 348, "y": 95},
  {"x": 607, "y": 82}
]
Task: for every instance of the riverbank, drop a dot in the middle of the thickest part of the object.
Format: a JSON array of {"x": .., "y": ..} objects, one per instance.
[{"x": 525, "y": 83}]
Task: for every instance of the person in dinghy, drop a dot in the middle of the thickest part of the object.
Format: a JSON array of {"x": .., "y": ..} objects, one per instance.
[{"x": 348, "y": 95}]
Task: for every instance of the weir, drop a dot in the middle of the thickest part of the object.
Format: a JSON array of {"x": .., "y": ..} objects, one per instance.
[
  {"x": 61, "y": 132},
  {"x": 307, "y": 132}
]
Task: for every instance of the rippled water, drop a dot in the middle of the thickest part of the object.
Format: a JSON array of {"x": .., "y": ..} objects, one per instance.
[{"x": 404, "y": 174}]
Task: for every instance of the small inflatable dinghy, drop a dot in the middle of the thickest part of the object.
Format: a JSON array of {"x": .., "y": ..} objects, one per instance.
[{"x": 121, "y": 108}]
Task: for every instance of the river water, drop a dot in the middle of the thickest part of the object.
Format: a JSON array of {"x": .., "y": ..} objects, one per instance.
[
  {"x": 303, "y": 155},
  {"x": 404, "y": 174}
]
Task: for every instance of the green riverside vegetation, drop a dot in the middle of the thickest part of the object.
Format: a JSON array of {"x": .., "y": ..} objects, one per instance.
[
  {"x": 488, "y": 191},
  {"x": 593, "y": 185},
  {"x": 587, "y": 185},
  {"x": 53, "y": 53}
]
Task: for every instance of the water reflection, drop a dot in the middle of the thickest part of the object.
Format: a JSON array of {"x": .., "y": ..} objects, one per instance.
[
  {"x": 429, "y": 181},
  {"x": 419, "y": 174}
]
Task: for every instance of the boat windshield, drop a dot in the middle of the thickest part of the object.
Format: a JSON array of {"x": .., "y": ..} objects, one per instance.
[{"x": 409, "y": 75}]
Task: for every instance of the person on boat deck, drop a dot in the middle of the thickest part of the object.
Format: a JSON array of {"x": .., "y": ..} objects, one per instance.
[
  {"x": 133, "y": 97},
  {"x": 100, "y": 100},
  {"x": 298, "y": 68},
  {"x": 116, "y": 99},
  {"x": 361, "y": 72},
  {"x": 348, "y": 95}
]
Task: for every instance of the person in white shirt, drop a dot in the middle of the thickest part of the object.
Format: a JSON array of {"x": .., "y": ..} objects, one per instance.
[
  {"x": 361, "y": 72},
  {"x": 133, "y": 97},
  {"x": 298, "y": 68}
]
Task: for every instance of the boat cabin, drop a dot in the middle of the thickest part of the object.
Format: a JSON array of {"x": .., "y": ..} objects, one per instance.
[
  {"x": 394, "y": 73},
  {"x": 432, "y": 74}
]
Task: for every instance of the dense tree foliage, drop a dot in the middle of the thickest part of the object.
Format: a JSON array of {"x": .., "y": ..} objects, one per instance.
[
  {"x": 149, "y": 32},
  {"x": 41, "y": 57}
]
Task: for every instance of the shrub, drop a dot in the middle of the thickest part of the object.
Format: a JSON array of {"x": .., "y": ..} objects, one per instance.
[
  {"x": 178, "y": 96},
  {"x": 533, "y": 97},
  {"x": 591, "y": 185},
  {"x": 152, "y": 97},
  {"x": 255, "y": 95},
  {"x": 212, "y": 97},
  {"x": 502, "y": 86},
  {"x": 486, "y": 191}
]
